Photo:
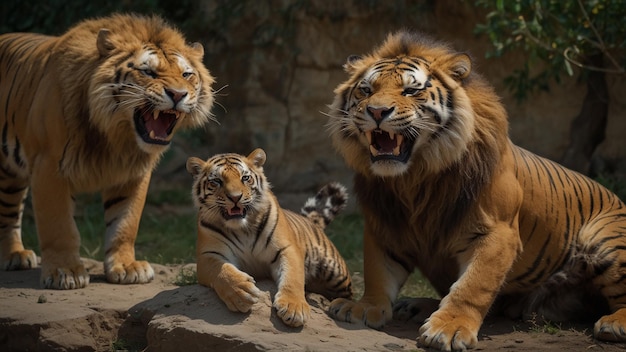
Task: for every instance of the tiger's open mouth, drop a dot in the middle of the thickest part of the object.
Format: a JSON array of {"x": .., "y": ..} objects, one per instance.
[
  {"x": 156, "y": 126},
  {"x": 235, "y": 212},
  {"x": 386, "y": 145}
]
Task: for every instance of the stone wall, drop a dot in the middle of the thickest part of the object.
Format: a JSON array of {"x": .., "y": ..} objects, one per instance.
[{"x": 279, "y": 61}]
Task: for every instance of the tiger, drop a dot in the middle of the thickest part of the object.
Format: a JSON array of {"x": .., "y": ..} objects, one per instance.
[
  {"x": 244, "y": 234},
  {"x": 443, "y": 189},
  {"x": 91, "y": 110}
]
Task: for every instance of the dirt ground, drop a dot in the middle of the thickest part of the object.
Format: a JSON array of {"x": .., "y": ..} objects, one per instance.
[{"x": 161, "y": 316}]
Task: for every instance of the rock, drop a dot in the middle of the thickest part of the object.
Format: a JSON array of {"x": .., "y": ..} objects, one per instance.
[
  {"x": 161, "y": 316},
  {"x": 195, "y": 314}
]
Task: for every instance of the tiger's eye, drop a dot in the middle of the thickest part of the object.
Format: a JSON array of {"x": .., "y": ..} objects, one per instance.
[
  {"x": 149, "y": 72},
  {"x": 366, "y": 90},
  {"x": 409, "y": 91}
]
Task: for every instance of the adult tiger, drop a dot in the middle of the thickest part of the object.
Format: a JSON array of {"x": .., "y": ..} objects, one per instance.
[
  {"x": 444, "y": 190},
  {"x": 91, "y": 110},
  {"x": 244, "y": 233}
]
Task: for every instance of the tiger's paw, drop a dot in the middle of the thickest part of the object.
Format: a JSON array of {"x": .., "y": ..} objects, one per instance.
[
  {"x": 239, "y": 295},
  {"x": 19, "y": 260},
  {"x": 611, "y": 327},
  {"x": 294, "y": 311},
  {"x": 65, "y": 277},
  {"x": 136, "y": 272},
  {"x": 449, "y": 333},
  {"x": 372, "y": 315},
  {"x": 415, "y": 309}
]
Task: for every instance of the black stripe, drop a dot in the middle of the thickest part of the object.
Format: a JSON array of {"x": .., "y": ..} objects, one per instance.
[
  {"x": 412, "y": 66},
  {"x": 211, "y": 227},
  {"x": 271, "y": 233},
  {"x": 118, "y": 76},
  {"x": 16, "y": 153},
  {"x": 12, "y": 190},
  {"x": 10, "y": 215},
  {"x": 111, "y": 202},
  {"x": 111, "y": 222},
  {"x": 5, "y": 143},
  {"x": 435, "y": 113},
  {"x": 440, "y": 94},
  {"x": 9, "y": 205},
  {"x": 278, "y": 252},
  {"x": 536, "y": 264},
  {"x": 261, "y": 227},
  {"x": 406, "y": 266},
  {"x": 216, "y": 253}
]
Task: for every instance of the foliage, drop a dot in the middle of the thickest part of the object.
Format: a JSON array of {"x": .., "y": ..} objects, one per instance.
[
  {"x": 186, "y": 276},
  {"x": 124, "y": 345},
  {"x": 559, "y": 33},
  {"x": 55, "y": 16},
  {"x": 540, "y": 325},
  {"x": 615, "y": 182}
]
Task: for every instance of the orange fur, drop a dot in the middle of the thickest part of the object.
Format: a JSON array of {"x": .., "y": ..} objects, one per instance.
[
  {"x": 443, "y": 190},
  {"x": 77, "y": 120}
]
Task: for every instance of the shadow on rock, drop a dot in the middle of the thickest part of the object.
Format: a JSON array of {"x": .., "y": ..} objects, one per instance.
[{"x": 195, "y": 314}]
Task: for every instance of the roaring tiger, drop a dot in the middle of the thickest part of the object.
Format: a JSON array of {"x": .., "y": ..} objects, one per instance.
[
  {"x": 92, "y": 110},
  {"x": 444, "y": 190},
  {"x": 243, "y": 234}
]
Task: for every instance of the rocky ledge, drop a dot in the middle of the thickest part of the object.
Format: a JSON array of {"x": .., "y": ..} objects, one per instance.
[{"x": 162, "y": 316}]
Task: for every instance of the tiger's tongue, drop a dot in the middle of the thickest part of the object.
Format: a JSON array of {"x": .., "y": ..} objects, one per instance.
[
  {"x": 158, "y": 128},
  {"x": 385, "y": 145},
  {"x": 235, "y": 211}
]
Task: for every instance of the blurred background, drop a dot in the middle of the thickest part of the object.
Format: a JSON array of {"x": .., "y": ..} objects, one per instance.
[{"x": 558, "y": 66}]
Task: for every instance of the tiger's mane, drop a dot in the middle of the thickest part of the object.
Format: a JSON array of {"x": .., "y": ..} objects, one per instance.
[
  {"x": 432, "y": 194},
  {"x": 95, "y": 144}
]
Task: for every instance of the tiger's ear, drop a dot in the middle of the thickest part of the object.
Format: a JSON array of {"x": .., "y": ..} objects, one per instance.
[
  {"x": 352, "y": 60},
  {"x": 194, "y": 166},
  {"x": 257, "y": 157},
  {"x": 460, "y": 66},
  {"x": 198, "y": 48},
  {"x": 104, "y": 43}
]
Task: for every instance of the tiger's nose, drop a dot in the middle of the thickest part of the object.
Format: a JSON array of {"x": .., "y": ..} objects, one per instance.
[
  {"x": 175, "y": 95},
  {"x": 380, "y": 114},
  {"x": 234, "y": 197}
]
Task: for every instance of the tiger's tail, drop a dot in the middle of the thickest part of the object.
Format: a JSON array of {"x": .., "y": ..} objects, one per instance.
[{"x": 327, "y": 203}]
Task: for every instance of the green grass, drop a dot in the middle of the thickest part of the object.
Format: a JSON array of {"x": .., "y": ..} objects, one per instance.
[
  {"x": 164, "y": 238},
  {"x": 538, "y": 325}
]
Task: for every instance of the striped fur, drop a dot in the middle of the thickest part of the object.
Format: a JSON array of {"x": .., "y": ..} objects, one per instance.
[
  {"x": 92, "y": 110},
  {"x": 243, "y": 234},
  {"x": 443, "y": 190}
]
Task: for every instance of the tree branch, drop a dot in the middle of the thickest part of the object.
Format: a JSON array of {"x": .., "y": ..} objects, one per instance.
[{"x": 600, "y": 46}]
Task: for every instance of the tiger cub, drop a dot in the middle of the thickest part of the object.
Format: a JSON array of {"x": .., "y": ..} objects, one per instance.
[{"x": 244, "y": 234}]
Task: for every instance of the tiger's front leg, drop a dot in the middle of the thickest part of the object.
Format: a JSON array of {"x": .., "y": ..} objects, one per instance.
[
  {"x": 290, "y": 300},
  {"x": 234, "y": 287},
  {"x": 454, "y": 326},
  {"x": 383, "y": 279},
  {"x": 61, "y": 266},
  {"x": 123, "y": 206}
]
